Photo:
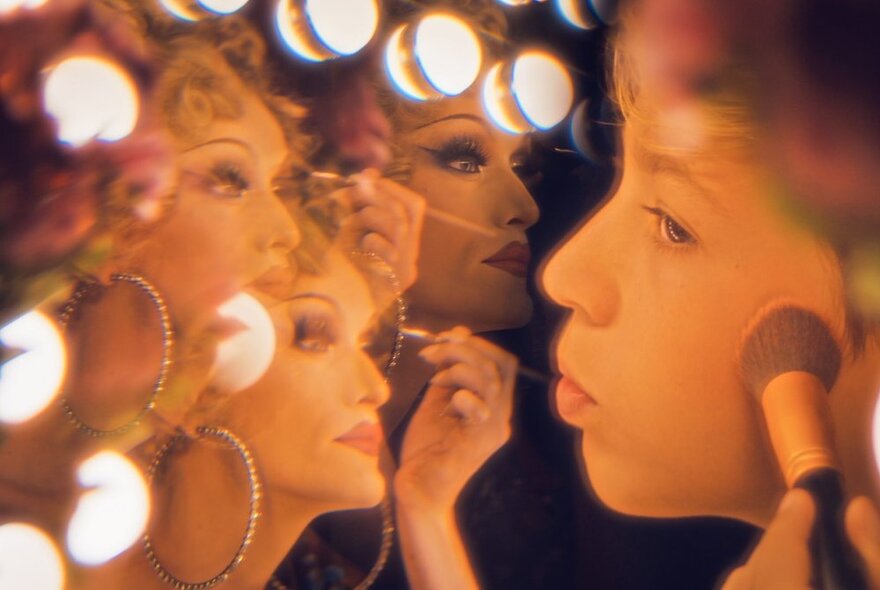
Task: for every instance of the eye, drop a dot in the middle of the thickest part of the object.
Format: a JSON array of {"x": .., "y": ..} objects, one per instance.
[
  {"x": 463, "y": 154},
  {"x": 671, "y": 230},
  {"x": 227, "y": 180},
  {"x": 314, "y": 332}
]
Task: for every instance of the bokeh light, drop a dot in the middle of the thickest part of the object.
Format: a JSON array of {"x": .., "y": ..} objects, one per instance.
[
  {"x": 90, "y": 98},
  {"x": 576, "y": 13},
  {"x": 7, "y": 6},
  {"x": 242, "y": 358},
  {"x": 30, "y": 380},
  {"x": 296, "y": 34},
  {"x": 398, "y": 62},
  {"x": 223, "y": 6},
  {"x": 344, "y": 26},
  {"x": 448, "y": 52},
  {"x": 110, "y": 517},
  {"x": 500, "y": 103},
  {"x": 29, "y": 559},
  {"x": 580, "y": 131},
  {"x": 543, "y": 88},
  {"x": 180, "y": 10}
]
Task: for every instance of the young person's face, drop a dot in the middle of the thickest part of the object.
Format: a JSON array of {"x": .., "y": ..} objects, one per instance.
[
  {"x": 466, "y": 167},
  {"x": 660, "y": 284}
]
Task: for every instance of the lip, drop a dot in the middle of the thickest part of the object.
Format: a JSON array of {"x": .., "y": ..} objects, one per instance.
[
  {"x": 366, "y": 437},
  {"x": 571, "y": 400},
  {"x": 513, "y": 258},
  {"x": 276, "y": 282}
]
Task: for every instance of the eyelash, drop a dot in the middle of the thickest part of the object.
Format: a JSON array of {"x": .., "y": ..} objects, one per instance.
[
  {"x": 314, "y": 332},
  {"x": 672, "y": 233},
  {"x": 227, "y": 180},
  {"x": 462, "y": 154}
]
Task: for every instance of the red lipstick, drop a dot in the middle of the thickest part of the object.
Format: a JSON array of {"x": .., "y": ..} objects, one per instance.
[
  {"x": 366, "y": 437},
  {"x": 513, "y": 258}
]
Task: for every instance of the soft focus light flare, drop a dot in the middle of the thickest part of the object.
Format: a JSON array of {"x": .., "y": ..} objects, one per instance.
[
  {"x": 448, "y": 52},
  {"x": 344, "y": 26},
  {"x": 242, "y": 358},
  {"x": 573, "y": 12},
  {"x": 90, "y": 98},
  {"x": 493, "y": 101},
  {"x": 7, "y": 6},
  {"x": 112, "y": 516},
  {"x": 29, "y": 559},
  {"x": 178, "y": 10},
  {"x": 543, "y": 89},
  {"x": 30, "y": 381},
  {"x": 223, "y": 6},
  {"x": 289, "y": 35},
  {"x": 394, "y": 63},
  {"x": 876, "y": 433}
]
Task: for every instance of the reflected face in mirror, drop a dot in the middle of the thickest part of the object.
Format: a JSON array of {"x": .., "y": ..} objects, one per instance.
[
  {"x": 312, "y": 419},
  {"x": 660, "y": 284},
  {"x": 225, "y": 227},
  {"x": 465, "y": 166}
]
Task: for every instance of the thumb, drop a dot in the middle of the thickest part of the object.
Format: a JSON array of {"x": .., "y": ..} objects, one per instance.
[{"x": 781, "y": 559}]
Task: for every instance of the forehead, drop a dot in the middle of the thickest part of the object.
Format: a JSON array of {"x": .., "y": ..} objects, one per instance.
[{"x": 342, "y": 283}]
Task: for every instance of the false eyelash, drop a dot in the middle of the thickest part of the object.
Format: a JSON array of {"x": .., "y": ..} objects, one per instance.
[
  {"x": 460, "y": 147},
  {"x": 227, "y": 179},
  {"x": 314, "y": 332},
  {"x": 662, "y": 218}
]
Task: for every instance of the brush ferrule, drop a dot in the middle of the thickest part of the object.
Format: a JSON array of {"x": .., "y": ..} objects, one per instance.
[{"x": 796, "y": 410}]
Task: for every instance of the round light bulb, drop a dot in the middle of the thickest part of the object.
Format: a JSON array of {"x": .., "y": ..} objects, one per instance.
[
  {"x": 90, "y": 98},
  {"x": 30, "y": 380},
  {"x": 543, "y": 89},
  {"x": 223, "y": 6},
  {"x": 29, "y": 559},
  {"x": 344, "y": 26},
  {"x": 241, "y": 359},
  {"x": 112, "y": 515},
  {"x": 448, "y": 53}
]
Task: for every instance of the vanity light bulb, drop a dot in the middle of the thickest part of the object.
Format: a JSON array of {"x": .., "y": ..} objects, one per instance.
[
  {"x": 223, "y": 6},
  {"x": 34, "y": 367},
  {"x": 29, "y": 559},
  {"x": 90, "y": 98},
  {"x": 7, "y": 6},
  {"x": 318, "y": 30}
]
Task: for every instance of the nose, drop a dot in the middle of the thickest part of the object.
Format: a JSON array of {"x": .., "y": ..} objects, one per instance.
[
  {"x": 372, "y": 389},
  {"x": 581, "y": 274},
  {"x": 277, "y": 231},
  {"x": 520, "y": 209}
]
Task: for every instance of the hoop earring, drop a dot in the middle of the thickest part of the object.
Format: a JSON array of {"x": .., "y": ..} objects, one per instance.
[
  {"x": 71, "y": 306},
  {"x": 255, "y": 485}
]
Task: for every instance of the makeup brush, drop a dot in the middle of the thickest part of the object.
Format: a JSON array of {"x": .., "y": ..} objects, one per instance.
[
  {"x": 435, "y": 214},
  {"x": 789, "y": 360},
  {"x": 524, "y": 372}
]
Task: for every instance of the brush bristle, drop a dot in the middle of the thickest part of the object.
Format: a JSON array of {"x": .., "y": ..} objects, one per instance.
[{"x": 787, "y": 338}]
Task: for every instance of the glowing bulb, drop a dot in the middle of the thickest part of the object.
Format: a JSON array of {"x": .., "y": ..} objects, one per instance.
[
  {"x": 543, "y": 89},
  {"x": 498, "y": 103},
  {"x": 448, "y": 52},
  {"x": 580, "y": 131},
  {"x": 242, "y": 358},
  {"x": 344, "y": 26},
  {"x": 29, "y": 559},
  {"x": 31, "y": 379},
  {"x": 223, "y": 6},
  {"x": 576, "y": 13},
  {"x": 515, "y": 2},
  {"x": 112, "y": 516},
  {"x": 7, "y": 6},
  {"x": 90, "y": 98},
  {"x": 292, "y": 31},
  {"x": 180, "y": 10},
  {"x": 395, "y": 63}
]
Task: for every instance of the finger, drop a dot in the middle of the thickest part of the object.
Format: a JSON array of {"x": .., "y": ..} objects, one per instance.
[
  {"x": 373, "y": 242},
  {"x": 782, "y": 558},
  {"x": 381, "y": 221},
  {"x": 469, "y": 407},
  {"x": 448, "y": 353},
  {"x": 413, "y": 202},
  {"x": 482, "y": 380},
  {"x": 863, "y": 528}
]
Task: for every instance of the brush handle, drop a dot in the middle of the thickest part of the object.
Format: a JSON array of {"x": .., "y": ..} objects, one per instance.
[{"x": 836, "y": 565}]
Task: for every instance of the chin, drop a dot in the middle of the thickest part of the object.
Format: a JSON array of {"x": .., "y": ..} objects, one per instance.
[{"x": 515, "y": 312}]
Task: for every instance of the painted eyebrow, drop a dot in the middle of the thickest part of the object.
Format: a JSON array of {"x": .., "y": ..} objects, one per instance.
[
  {"x": 465, "y": 116},
  {"x": 230, "y": 140},
  {"x": 314, "y": 295}
]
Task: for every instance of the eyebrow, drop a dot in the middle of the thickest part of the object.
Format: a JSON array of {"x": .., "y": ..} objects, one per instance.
[
  {"x": 465, "y": 116},
  {"x": 321, "y": 296},
  {"x": 667, "y": 165},
  {"x": 242, "y": 144}
]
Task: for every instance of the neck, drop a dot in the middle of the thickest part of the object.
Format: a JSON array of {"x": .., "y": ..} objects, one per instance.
[{"x": 199, "y": 527}]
